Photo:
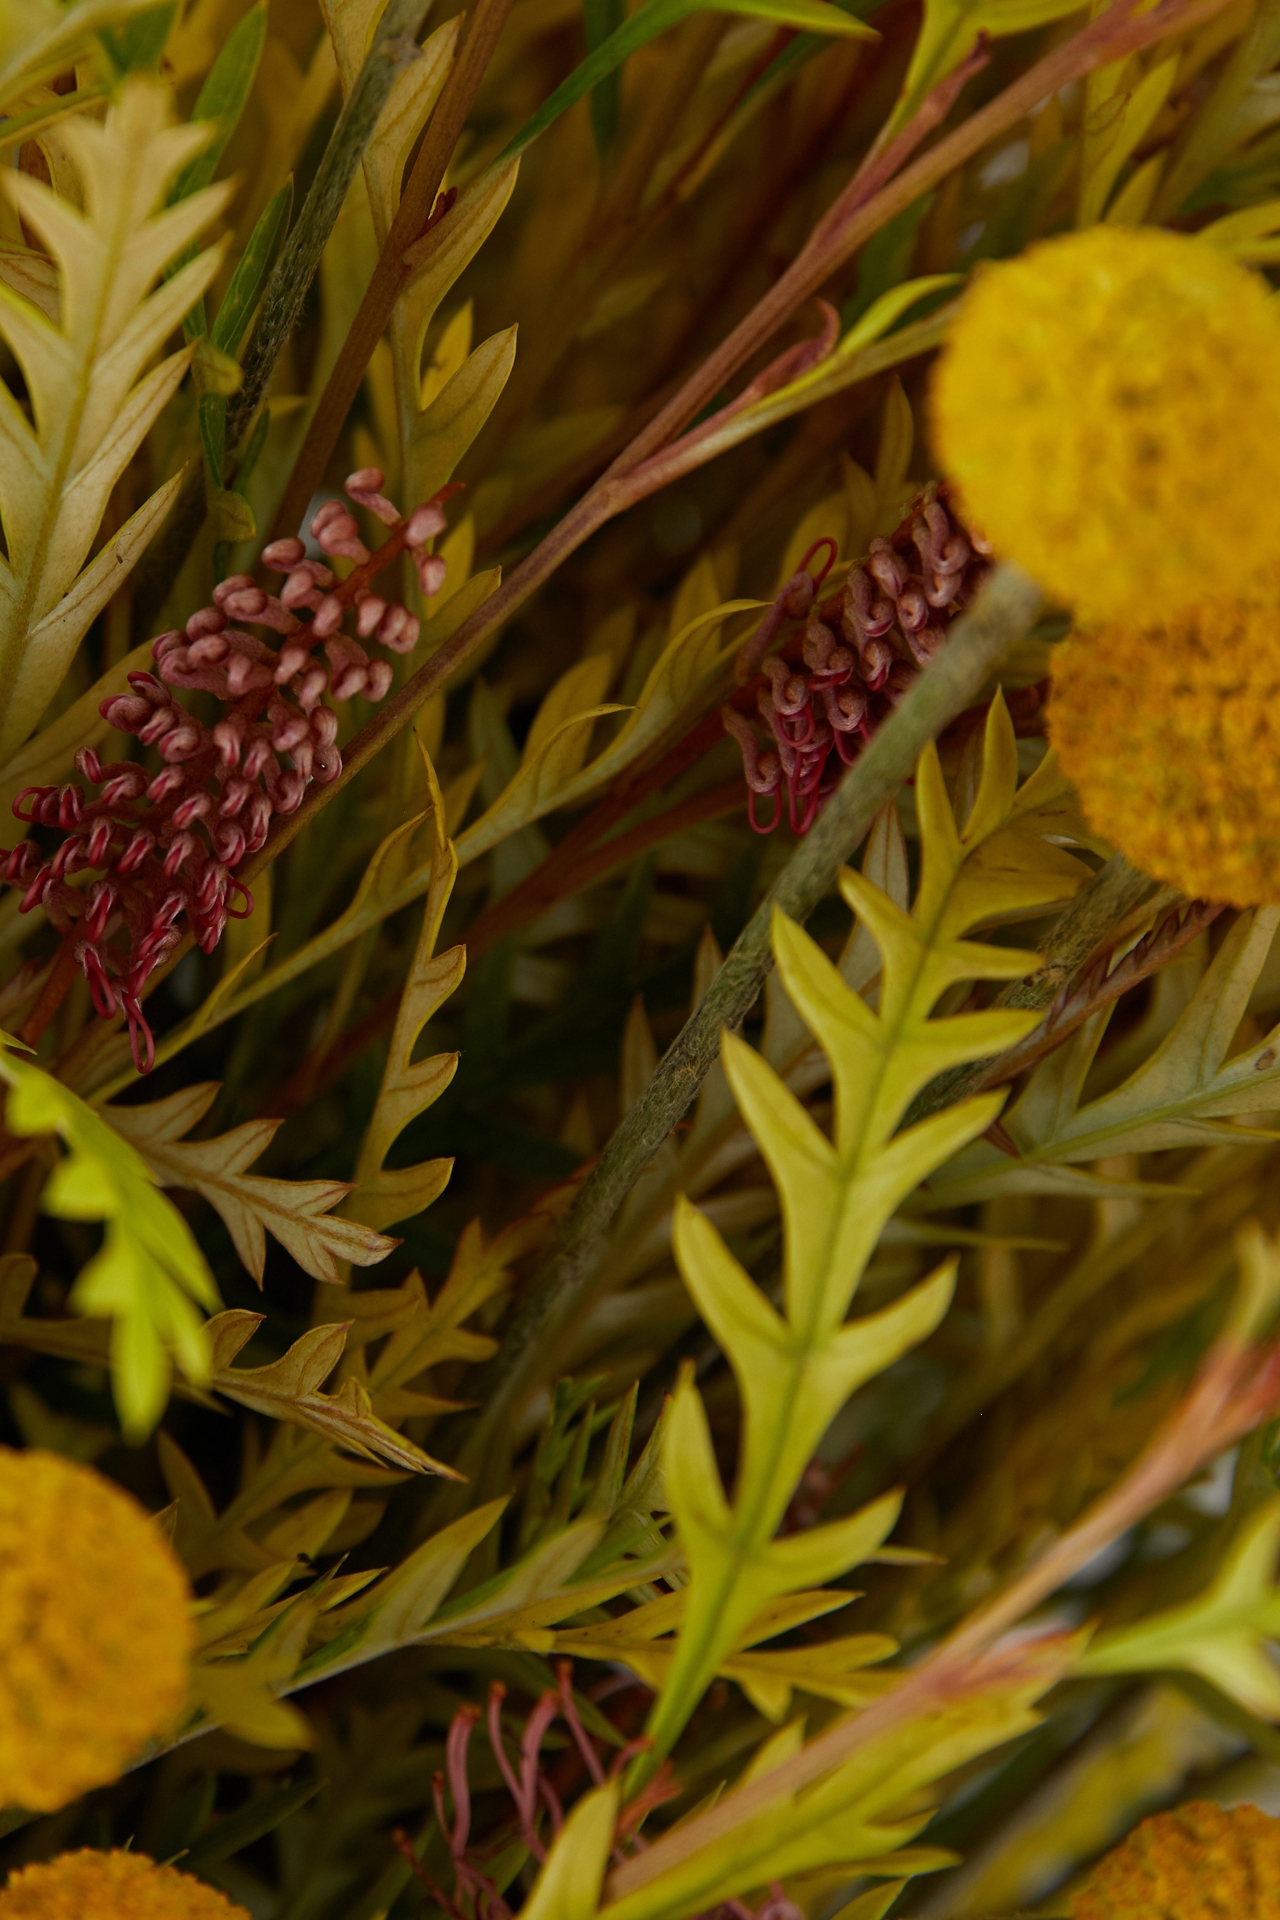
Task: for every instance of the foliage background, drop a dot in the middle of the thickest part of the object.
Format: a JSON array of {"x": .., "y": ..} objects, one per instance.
[{"x": 367, "y": 1137}]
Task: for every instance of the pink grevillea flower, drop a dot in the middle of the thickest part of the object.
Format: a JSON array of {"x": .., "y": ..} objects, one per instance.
[
  {"x": 476, "y": 1895},
  {"x": 168, "y": 843},
  {"x": 821, "y": 696}
]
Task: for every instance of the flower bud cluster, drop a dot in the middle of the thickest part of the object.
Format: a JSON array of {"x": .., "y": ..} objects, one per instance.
[
  {"x": 822, "y": 695},
  {"x": 168, "y": 843}
]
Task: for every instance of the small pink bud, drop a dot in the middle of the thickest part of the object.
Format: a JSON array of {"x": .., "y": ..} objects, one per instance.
[
  {"x": 326, "y": 512},
  {"x": 102, "y": 897},
  {"x": 328, "y": 616},
  {"x": 229, "y": 842},
  {"x": 282, "y": 555},
  {"x": 140, "y": 845},
  {"x": 181, "y": 849},
  {"x": 126, "y": 785},
  {"x": 288, "y": 731},
  {"x": 149, "y": 688},
  {"x": 100, "y": 843},
  {"x": 289, "y": 791},
  {"x": 35, "y": 893},
  {"x": 126, "y": 713},
  {"x": 189, "y": 811},
  {"x": 424, "y": 524},
  {"x": 206, "y": 620},
  {"x": 165, "y": 785},
  {"x": 210, "y": 650},
  {"x": 246, "y": 604},
  {"x": 312, "y": 686},
  {"x": 257, "y": 757},
  {"x": 432, "y": 568},
  {"x": 379, "y": 681},
  {"x": 162, "y": 721},
  {"x": 234, "y": 583},
  {"x": 350, "y": 682},
  {"x": 244, "y": 674},
  {"x": 293, "y": 658},
  {"x": 227, "y": 736},
  {"x": 398, "y": 629},
  {"x": 234, "y": 794},
  {"x": 181, "y": 743},
  {"x": 369, "y": 610},
  {"x": 299, "y": 590}
]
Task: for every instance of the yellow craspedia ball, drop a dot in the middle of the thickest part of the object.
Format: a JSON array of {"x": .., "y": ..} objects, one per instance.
[
  {"x": 1171, "y": 736},
  {"x": 1109, "y": 404},
  {"x": 1200, "y": 1862},
  {"x": 95, "y": 1630},
  {"x": 111, "y": 1886}
]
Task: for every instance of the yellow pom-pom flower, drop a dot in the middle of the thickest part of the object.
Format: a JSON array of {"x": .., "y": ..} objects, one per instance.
[
  {"x": 111, "y": 1886},
  {"x": 1199, "y": 1862},
  {"x": 1171, "y": 735},
  {"x": 95, "y": 1630},
  {"x": 1109, "y": 404}
]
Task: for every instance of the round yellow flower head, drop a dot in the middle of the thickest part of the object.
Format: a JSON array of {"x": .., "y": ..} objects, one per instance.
[
  {"x": 111, "y": 1886},
  {"x": 1197, "y": 1863},
  {"x": 1171, "y": 735},
  {"x": 1109, "y": 404},
  {"x": 95, "y": 1630}
]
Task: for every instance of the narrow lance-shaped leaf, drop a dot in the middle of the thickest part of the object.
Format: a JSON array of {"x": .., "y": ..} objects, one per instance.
[{"x": 656, "y": 17}]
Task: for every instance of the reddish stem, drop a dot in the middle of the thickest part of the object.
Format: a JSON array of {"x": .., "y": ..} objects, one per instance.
[{"x": 52, "y": 994}]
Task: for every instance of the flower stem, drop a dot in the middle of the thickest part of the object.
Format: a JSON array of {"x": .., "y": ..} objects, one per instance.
[
  {"x": 52, "y": 994},
  {"x": 394, "y": 47}
]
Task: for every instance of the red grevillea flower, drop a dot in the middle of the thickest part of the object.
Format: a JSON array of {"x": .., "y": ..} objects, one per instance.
[
  {"x": 822, "y": 695},
  {"x": 168, "y": 844}
]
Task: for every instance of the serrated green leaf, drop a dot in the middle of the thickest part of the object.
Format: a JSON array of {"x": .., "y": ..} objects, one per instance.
[
  {"x": 150, "y": 1274},
  {"x": 1220, "y": 1635},
  {"x": 796, "y": 1368},
  {"x": 1185, "y": 1094}
]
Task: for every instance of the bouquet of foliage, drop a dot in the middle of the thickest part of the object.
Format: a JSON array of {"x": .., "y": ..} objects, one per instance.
[{"x": 639, "y": 694}]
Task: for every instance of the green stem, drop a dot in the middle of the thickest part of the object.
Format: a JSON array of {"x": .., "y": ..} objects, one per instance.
[
  {"x": 568, "y": 1280},
  {"x": 394, "y": 47}
]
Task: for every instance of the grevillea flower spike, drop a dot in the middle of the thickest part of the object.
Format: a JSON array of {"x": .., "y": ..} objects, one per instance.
[
  {"x": 852, "y": 657},
  {"x": 168, "y": 844}
]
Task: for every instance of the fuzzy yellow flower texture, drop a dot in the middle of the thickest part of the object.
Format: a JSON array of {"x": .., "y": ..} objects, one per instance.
[
  {"x": 111, "y": 1886},
  {"x": 95, "y": 1630},
  {"x": 1109, "y": 406},
  {"x": 1171, "y": 735},
  {"x": 1199, "y": 1862}
]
